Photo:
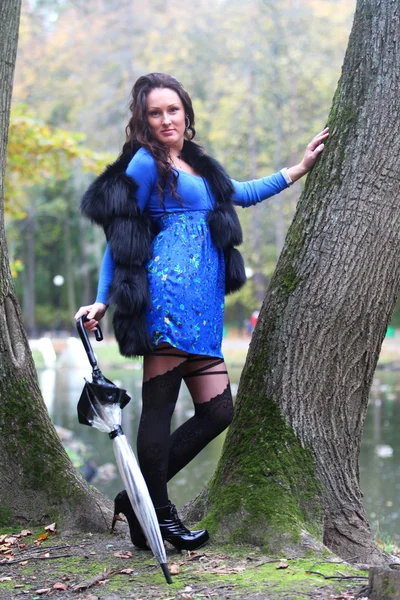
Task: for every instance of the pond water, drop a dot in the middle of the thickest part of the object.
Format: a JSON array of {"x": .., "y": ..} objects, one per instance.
[{"x": 380, "y": 453}]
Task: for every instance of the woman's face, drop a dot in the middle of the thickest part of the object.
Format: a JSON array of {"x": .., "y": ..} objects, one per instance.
[{"x": 166, "y": 117}]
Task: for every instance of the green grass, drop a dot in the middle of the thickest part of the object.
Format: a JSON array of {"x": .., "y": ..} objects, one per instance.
[
  {"x": 386, "y": 544},
  {"x": 244, "y": 569}
]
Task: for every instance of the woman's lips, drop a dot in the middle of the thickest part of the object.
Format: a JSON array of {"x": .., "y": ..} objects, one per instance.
[{"x": 167, "y": 131}]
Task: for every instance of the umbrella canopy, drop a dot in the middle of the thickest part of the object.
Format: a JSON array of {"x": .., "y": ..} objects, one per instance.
[
  {"x": 100, "y": 406},
  {"x": 101, "y": 391}
]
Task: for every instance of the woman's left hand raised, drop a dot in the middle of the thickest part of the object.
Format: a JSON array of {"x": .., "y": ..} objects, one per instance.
[{"x": 313, "y": 150}]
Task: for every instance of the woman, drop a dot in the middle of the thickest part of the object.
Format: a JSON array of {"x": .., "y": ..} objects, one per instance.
[{"x": 167, "y": 211}]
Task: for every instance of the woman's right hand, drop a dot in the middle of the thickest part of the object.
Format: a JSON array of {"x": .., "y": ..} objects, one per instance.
[{"x": 94, "y": 312}]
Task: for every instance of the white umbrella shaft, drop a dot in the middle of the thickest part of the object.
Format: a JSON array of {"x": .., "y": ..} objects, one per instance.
[{"x": 139, "y": 496}]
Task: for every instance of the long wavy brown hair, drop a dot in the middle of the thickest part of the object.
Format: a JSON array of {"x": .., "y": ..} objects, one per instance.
[{"x": 138, "y": 130}]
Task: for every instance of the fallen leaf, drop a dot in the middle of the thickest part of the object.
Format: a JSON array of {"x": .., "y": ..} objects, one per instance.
[
  {"x": 174, "y": 569},
  {"x": 51, "y": 528},
  {"x": 5, "y": 579},
  {"x": 25, "y": 532},
  {"x": 23, "y": 546},
  {"x": 282, "y": 565},
  {"x": 4, "y": 545},
  {"x": 187, "y": 596},
  {"x": 188, "y": 588},
  {"x": 43, "y": 591},
  {"x": 127, "y": 571},
  {"x": 42, "y": 537},
  {"x": 126, "y": 554},
  {"x": 19, "y": 585},
  {"x": 47, "y": 555},
  {"x": 23, "y": 563},
  {"x": 11, "y": 540},
  {"x": 214, "y": 564},
  {"x": 2, "y": 538},
  {"x": 60, "y": 586}
]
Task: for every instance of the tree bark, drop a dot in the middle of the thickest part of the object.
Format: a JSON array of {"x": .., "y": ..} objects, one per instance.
[
  {"x": 290, "y": 463},
  {"x": 38, "y": 481},
  {"x": 29, "y": 275}
]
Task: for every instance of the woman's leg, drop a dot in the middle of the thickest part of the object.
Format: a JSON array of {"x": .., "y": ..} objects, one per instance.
[
  {"x": 208, "y": 383},
  {"x": 162, "y": 377}
]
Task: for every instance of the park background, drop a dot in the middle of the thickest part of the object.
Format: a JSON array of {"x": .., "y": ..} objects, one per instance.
[{"x": 261, "y": 76}]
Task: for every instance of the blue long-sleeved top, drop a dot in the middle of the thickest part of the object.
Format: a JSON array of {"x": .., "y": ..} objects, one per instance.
[{"x": 194, "y": 193}]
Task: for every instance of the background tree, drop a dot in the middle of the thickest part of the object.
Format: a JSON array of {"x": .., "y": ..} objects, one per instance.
[
  {"x": 42, "y": 162},
  {"x": 38, "y": 481},
  {"x": 289, "y": 469},
  {"x": 256, "y": 106}
]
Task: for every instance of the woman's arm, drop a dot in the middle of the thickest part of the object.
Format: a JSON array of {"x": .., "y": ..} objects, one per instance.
[
  {"x": 143, "y": 171},
  {"x": 96, "y": 311},
  {"x": 106, "y": 276},
  {"x": 249, "y": 193}
]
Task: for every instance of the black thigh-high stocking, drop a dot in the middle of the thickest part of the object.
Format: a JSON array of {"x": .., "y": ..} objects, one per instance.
[
  {"x": 208, "y": 384},
  {"x": 162, "y": 377}
]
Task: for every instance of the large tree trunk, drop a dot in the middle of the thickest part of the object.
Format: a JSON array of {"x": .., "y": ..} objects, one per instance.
[
  {"x": 38, "y": 482},
  {"x": 290, "y": 462}
]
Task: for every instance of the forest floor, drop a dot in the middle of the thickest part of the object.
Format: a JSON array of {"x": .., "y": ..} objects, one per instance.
[{"x": 108, "y": 567}]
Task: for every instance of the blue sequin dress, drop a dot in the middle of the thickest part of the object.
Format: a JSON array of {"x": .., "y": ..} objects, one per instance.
[
  {"x": 186, "y": 273},
  {"x": 187, "y": 283}
]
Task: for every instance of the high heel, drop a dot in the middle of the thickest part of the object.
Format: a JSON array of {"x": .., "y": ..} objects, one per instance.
[
  {"x": 123, "y": 505},
  {"x": 174, "y": 531}
]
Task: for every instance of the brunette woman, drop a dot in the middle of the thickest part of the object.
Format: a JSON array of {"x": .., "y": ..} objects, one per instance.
[{"x": 167, "y": 209}]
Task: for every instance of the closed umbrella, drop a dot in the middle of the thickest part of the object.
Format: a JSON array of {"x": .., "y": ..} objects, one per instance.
[{"x": 100, "y": 406}]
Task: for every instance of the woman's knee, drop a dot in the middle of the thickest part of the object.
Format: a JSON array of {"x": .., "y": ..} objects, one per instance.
[{"x": 218, "y": 411}]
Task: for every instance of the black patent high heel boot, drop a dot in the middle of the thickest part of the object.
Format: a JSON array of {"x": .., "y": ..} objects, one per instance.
[
  {"x": 174, "y": 531},
  {"x": 123, "y": 505}
]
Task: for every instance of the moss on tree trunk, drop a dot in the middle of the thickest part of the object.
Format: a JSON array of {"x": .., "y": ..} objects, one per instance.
[{"x": 290, "y": 459}]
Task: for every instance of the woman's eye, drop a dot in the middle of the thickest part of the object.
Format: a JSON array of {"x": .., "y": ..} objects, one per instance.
[
  {"x": 153, "y": 113},
  {"x": 174, "y": 109}
]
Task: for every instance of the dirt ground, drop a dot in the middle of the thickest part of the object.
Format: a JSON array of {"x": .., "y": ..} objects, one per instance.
[{"x": 108, "y": 567}]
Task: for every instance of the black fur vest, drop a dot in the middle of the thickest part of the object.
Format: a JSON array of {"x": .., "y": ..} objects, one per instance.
[{"x": 110, "y": 201}]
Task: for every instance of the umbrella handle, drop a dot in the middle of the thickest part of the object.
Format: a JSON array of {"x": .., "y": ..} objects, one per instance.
[{"x": 85, "y": 339}]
